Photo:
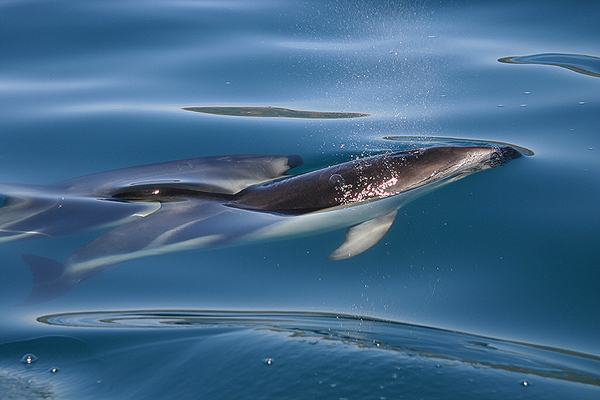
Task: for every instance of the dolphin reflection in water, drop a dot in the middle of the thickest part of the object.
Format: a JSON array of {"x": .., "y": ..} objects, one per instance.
[{"x": 224, "y": 201}]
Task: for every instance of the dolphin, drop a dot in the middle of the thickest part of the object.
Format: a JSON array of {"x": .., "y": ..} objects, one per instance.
[
  {"x": 37, "y": 211},
  {"x": 232, "y": 200}
]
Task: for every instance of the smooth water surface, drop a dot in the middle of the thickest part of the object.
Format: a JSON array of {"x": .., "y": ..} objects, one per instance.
[{"x": 508, "y": 256}]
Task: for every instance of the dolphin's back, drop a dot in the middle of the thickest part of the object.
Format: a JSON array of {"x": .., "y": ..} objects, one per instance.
[{"x": 370, "y": 178}]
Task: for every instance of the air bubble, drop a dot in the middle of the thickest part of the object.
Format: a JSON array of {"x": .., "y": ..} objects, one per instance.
[
  {"x": 268, "y": 361},
  {"x": 29, "y": 358},
  {"x": 54, "y": 370},
  {"x": 337, "y": 181}
]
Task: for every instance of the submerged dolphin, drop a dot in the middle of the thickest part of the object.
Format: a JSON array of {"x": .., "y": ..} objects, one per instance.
[
  {"x": 36, "y": 211},
  {"x": 225, "y": 201}
]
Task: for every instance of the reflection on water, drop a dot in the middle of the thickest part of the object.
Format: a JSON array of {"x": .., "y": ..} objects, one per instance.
[
  {"x": 587, "y": 65},
  {"x": 273, "y": 112}
]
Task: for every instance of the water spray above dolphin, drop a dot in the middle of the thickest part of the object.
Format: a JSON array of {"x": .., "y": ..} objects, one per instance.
[{"x": 225, "y": 201}]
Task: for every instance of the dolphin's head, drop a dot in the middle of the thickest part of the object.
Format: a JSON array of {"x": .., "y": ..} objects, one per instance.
[{"x": 502, "y": 155}]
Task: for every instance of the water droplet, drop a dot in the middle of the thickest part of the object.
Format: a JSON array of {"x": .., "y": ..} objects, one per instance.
[
  {"x": 525, "y": 383},
  {"x": 337, "y": 181},
  {"x": 54, "y": 370},
  {"x": 268, "y": 361},
  {"x": 29, "y": 358}
]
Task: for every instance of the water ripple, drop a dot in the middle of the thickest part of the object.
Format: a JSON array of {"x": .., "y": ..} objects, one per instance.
[
  {"x": 314, "y": 339},
  {"x": 431, "y": 343},
  {"x": 428, "y": 141}
]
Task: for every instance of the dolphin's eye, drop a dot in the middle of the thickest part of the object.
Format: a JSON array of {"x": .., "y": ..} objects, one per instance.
[{"x": 337, "y": 181}]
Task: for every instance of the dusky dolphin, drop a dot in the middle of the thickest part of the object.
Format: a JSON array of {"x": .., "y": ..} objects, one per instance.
[
  {"x": 37, "y": 211},
  {"x": 225, "y": 201}
]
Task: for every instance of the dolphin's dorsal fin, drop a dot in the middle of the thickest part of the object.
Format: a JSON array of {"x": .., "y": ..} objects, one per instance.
[
  {"x": 221, "y": 175},
  {"x": 363, "y": 236}
]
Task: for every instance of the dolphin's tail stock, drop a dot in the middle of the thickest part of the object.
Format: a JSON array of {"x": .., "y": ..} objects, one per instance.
[{"x": 48, "y": 279}]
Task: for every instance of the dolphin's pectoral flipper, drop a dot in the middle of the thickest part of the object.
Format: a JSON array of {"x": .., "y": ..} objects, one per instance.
[
  {"x": 48, "y": 279},
  {"x": 363, "y": 236}
]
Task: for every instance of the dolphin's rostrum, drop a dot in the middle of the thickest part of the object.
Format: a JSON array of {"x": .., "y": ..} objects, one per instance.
[{"x": 224, "y": 201}]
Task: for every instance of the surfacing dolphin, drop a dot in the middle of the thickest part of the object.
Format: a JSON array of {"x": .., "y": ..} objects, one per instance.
[{"x": 225, "y": 201}]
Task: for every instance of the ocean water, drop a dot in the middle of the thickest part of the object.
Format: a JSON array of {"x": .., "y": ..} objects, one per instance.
[{"x": 485, "y": 288}]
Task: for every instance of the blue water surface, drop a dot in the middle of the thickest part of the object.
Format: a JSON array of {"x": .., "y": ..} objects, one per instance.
[{"x": 486, "y": 288}]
